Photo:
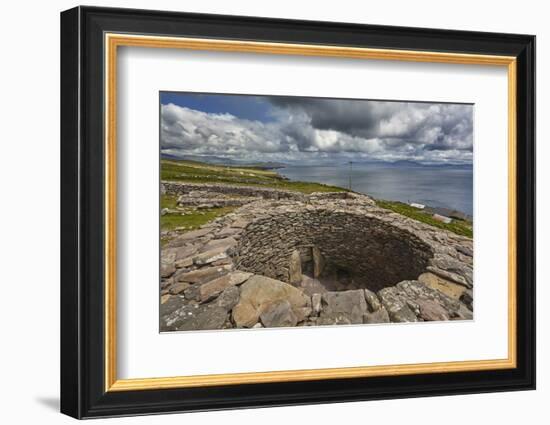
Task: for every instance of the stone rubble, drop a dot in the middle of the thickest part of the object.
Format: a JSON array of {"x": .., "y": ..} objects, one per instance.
[{"x": 248, "y": 268}]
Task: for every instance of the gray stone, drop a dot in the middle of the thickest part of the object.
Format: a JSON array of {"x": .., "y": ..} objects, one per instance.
[
  {"x": 311, "y": 286},
  {"x": 260, "y": 291},
  {"x": 228, "y": 298},
  {"x": 372, "y": 300},
  {"x": 412, "y": 298},
  {"x": 450, "y": 276},
  {"x": 464, "y": 313},
  {"x": 228, "y": 231},
  {"x": 210, "y": 256},
  {"x": 451, "y": 289},
  {"x": 167, "y": 259},
  {"x": 404, "y": 314},
  {"x": 169, "y": 306},
  {"x": 245, "y": 315},
  {"x": 168, "y": 255},
  {"x": 185, "y": 251},
  {"x": 302, "y": 313},
  {"x": 183, "y": 263},
  {"x": 178, "y": 288},
  {"x": 194, "y": 234},
  {"x": 396, "y": 305},
  {"x": 379, "y": 316},
  {"x": 240, "y": 223},
  {"x": 186, "y": 238},
  {"x": 316, "y": 303},
  {"x": 414, "y": 306},
  {"x": 318, "y": 262},
  {"x": 432, "y": 311},
  {"x": 278, "y": 314},
  {"x": 295, "y": 268},
  {"x": 334, "y": 319},
  {"x": 206, "y": 206},
  {"x": 219, "y": 243},
  {"x": 192, "y": 293},
  {"x": 466, "y": 250},
  {"x": 453, "y": 267},
  {"x": 167, "y": 270},
  {"x": 222, "y": 262},
  {"x": 194, "y": 317},
  {"x": 203, "y": 275},
  {"x": 350, "y": 304},
  {"x": 213, "y": 288},
  {"x": 467, "y": 298}
]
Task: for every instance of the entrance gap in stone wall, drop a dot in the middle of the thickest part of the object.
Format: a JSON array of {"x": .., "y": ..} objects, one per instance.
[{"x": 322, "y": 250}]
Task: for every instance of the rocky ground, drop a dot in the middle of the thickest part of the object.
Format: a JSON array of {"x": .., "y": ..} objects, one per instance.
[{"x": 278, "y": 259}]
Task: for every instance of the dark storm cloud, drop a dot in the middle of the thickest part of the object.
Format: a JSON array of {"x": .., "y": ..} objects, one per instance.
[
  {"x": 334, "y": 114},
  {"x": 437, "y": 126},
  {"x": 318, "y": 127}
]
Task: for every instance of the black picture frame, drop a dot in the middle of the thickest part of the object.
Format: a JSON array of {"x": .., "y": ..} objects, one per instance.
[{"x": 83, "y": 392}]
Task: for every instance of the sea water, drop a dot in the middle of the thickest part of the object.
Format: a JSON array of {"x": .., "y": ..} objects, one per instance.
[{"x": 446, "y": 186}]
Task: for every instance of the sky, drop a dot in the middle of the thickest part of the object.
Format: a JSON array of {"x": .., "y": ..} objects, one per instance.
[{"x": 316, "y": 130}]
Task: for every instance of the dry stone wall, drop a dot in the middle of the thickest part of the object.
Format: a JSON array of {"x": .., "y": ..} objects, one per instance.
[
  {"x": 372, "y": 250},
  {"x": 234, "y": 272}
]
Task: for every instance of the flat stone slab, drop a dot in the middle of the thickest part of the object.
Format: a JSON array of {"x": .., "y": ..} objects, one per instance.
[
  {"x": 226, "y": 243},
  {"x": 210, "y": 256},
  {"x": 203, "y": 275},
  {"x": 278, "y": 314},
  {"x": 194, "y": 317},
  {"x": 449, "y": 288},
  {"x": 379, "y": 316},
  {"x": 215, "y": 287},
  {"x": 245, "y": 315},
  {"x": 349, "y": 304},
  {"x": 258, "y": 292},
  {"x": 409, "y": 301}
]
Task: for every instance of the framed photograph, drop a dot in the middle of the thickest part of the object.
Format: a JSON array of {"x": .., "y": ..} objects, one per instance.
[{"x": 261, "y": 212}]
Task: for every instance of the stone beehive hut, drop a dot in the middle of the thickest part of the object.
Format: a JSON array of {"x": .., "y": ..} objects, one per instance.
[
  {"x": 374, "y": 253},
  {"x": 324, "y": 259}
]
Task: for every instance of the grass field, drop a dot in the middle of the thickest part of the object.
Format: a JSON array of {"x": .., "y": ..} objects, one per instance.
[
  {"x": 192, "y": 219},
  {"x": 198, "y": 172},
  {"x": 460, "y": 227}
]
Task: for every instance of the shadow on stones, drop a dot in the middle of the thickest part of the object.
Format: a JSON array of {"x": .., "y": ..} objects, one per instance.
[{"x": 325, "y": 251}]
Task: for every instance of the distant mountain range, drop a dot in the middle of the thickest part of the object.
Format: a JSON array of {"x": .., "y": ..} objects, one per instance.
[
  {"x": 407, "y": 163},
  {"x": 217, "y": 160},
  {"x": 404, "y": 163}
]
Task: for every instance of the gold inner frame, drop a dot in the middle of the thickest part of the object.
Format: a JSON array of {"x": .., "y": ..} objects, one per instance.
[{"x": 113, "y": 41}]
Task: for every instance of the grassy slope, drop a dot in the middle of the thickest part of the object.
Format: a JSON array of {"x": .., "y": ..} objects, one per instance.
[
  {"x": 197, "y": 172},
  {"x": 191, "y": 220},
  {"x": 459, "y": 227}
]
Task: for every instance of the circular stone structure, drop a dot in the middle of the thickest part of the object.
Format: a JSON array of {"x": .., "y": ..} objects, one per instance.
[
  {"x": 319, "y": 259},
  {"x": 372, "y": 253}
]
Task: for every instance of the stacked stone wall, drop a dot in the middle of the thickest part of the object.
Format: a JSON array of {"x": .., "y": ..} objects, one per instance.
[{"x": 373, "y": 251}]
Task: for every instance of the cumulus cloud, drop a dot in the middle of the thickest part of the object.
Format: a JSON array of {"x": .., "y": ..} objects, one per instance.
[{"x": 309, "y": 128}]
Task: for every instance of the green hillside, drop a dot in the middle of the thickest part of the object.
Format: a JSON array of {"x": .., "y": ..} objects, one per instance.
[{"x": 198, "y": 172}]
